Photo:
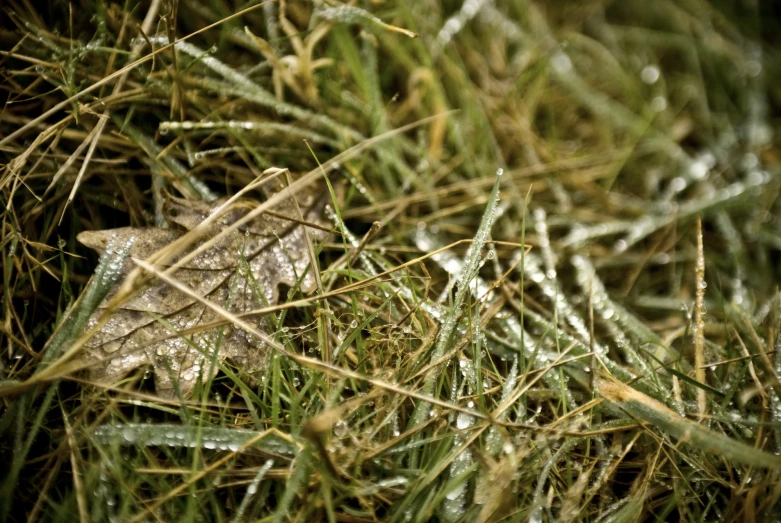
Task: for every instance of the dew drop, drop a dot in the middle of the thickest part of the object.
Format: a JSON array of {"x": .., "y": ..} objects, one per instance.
[
  {"x": 129, "y": 435},
  {"x": 750, "y": 161},
  {"x": 561, "y": 62},
  {"x": 659, "y": 104},
  {"x": 753, "y": 68},
  {"x": 677, "y": 184},
  {"x": 340, "y": 429},
  {"x": 699, "y": 169},
  {"x": 650, "y": 74},
  {"x": 464, "y": 421}
]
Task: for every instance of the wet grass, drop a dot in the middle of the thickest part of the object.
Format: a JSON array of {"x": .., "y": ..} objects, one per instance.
[{"x": 596, "y": 339}]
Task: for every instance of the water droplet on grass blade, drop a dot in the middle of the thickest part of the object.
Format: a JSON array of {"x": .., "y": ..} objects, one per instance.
[
  {"x": 340, "y": 429},
  {"x": 650, "y": 74}
]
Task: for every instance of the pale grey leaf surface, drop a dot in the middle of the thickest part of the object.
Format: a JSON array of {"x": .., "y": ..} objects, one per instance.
[{"x": 240, "y": 272}]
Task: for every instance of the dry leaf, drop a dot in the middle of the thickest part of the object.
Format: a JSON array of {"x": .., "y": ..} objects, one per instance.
[{"x": 240, "y": 273}]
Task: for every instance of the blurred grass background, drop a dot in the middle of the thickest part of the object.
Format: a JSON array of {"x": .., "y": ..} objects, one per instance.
[{"x": 625, "y": 368}]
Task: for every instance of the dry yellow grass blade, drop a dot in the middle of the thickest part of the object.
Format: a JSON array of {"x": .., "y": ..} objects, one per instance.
[
  {"x": 686, "y": 431},
  {"x": 699, "y": 323}
]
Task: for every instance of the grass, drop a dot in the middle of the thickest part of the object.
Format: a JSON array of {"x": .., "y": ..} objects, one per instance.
[{"x": 596, "y": 339}]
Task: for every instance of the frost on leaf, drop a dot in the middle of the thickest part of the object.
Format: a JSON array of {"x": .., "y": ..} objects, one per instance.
[{"x": 160, "y": 326}]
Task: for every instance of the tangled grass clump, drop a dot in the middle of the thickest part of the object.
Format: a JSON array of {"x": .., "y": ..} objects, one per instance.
[{"x": 544, "y": 286}]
